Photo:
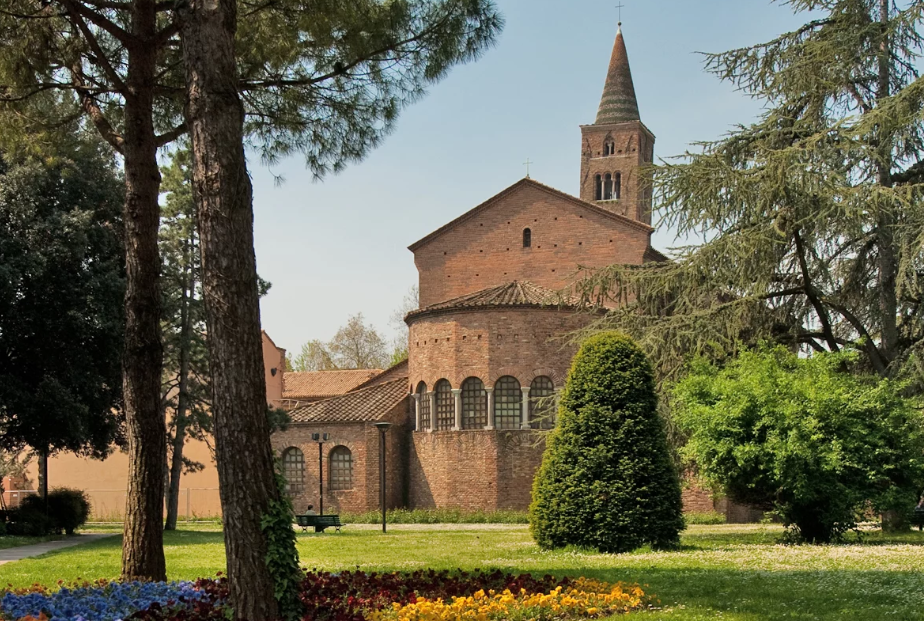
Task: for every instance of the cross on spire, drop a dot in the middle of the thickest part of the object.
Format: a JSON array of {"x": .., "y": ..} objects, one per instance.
[
  {"x": 620, "y": 7},
  {"x": 527, "y": 163}
]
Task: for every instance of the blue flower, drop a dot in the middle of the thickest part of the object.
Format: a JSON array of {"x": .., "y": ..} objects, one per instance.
[{"x": 110, "y": 602}]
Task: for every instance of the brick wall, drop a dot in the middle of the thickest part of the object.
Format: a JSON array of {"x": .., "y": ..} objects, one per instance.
[
  {"x": 520, "y": 458},
  {"x": 634, "y": 146},
  {"x": 487, "y": 249},
  {"x": 362, "y": 439},
  {"x": 472, "y": 470},
  {"x": 491, "y": 343},
  {"x": 700, "y": 500},
  {"x": 453, "y": 469}
]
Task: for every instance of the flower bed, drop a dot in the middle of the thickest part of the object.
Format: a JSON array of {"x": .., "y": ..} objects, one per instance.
[
  {"x": 99, "y": 601},
  {"x": 346, "y": 596},
  {"x": 584, "y": 598}
]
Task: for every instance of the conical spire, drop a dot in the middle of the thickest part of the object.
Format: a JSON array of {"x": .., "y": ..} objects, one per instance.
[{"x": 618, "y": 104}]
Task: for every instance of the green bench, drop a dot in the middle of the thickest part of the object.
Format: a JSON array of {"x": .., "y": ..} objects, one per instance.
[{"x": 320, "y": 522}]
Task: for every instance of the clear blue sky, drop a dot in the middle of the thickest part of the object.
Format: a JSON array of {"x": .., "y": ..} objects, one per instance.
[{"x": 339, "y": 247}]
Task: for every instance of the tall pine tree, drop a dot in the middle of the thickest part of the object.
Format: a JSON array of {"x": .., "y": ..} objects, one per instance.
[
  {"x": 811, "y": 218},
  {"x": 186, "y": 369},
  {"x": 326, "y": 79}
]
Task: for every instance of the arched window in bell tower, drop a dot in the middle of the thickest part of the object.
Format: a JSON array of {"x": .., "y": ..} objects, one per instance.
[
  {"x": 598, "y": 188},
  {"x": 608, "y": 187},
  {"x": 617, "y": 186},
  {"x": 527, "y": 238},
  {"x": 609, "y": 147}
]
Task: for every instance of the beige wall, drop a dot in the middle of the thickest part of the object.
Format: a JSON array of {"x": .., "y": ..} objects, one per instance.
[
  {"x": 105, "y": 480},
  {"x": 274, "y": 364}
]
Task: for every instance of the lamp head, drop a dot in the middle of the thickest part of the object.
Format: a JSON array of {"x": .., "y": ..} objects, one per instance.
[{"x": 382, "y": 426}]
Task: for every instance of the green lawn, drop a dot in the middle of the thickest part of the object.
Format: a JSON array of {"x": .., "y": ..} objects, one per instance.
[{"x": 735, "y": 573}]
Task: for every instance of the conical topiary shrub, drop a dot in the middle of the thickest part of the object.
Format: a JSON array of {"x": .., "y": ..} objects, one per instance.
[{"x": 606, "y": 480}]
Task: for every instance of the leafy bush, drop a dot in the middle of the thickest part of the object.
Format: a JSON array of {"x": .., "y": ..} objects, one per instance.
[
  {"x": 606, "y": 480},
  {"x": 437, "y": 516},
  {"x": 704, "y": 517},
  {"x": 68, "y": 509},
  {"x": 802, "y": 436},
  {"x": 30, "y": 519}
]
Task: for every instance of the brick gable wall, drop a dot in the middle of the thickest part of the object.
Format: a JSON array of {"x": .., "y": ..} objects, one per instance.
[{"x": 487, "y": 249}]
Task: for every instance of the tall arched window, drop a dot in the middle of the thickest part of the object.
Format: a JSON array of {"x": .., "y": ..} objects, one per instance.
[
  {"x": 608, "y": 187},
  {"x": 474, "y": 404},
  {"x": 424, "y": 405},
  {"x": 341, "y": 469},
  {"x": 598, "y": 187},
  {"x": 293, "y": 468},
  {"x": 527, "y": 238},
  {"x": 609, "y": 147},
  {"x": 542, "y": 403},
  {"x": 617, "y": 186},
  {"x": 508, "y": 402},
  {"x": 445, "y": 405}
]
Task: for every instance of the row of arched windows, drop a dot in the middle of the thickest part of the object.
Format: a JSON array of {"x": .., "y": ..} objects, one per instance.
[
  {"x": 507, "y": 409},
  {"x": 339, "y": 471},
  {"x": 607, "y": 187}
]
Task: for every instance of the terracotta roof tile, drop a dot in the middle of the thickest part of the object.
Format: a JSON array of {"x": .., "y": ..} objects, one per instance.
[
  {"x": 399, "y": 370},
  {"x": 366, "y": 405},
  {"x": 516, "y": 293},
  {"x": 321, "y": 384}
]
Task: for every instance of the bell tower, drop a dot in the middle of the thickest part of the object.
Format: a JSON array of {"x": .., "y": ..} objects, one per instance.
[{"x": 617, "y": 148}]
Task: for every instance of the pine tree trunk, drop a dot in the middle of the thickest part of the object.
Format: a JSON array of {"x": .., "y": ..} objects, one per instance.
[
  {"x": 888, "y": 263},
  {"x": 225, "y": 215},
  {"x": 142, "y": 543},
  {"x": 182, "y": 402}
]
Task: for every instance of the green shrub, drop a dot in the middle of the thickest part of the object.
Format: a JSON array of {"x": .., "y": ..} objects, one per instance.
[
  {"x": 68, "y": 509},
  {"x": 606, "y": 480},
  {"x": 29, "y": 519},
  {"x": 802, "y": 436},
  {"x": 704, "y": 517}
]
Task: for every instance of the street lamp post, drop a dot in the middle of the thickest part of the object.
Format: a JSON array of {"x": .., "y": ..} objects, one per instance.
[
  {"x": 382, "y": 427},
  {"x": 320, "y": 439}
]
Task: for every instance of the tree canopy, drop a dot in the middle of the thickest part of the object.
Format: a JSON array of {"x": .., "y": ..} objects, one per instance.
[
  {"x": 810, "y": 219},
  {"x": 61, "y": 289},
  {"x": 356, "y": 345}
]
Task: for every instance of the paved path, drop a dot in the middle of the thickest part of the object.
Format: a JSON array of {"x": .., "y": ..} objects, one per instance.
[{"x": 9, "y": 555}]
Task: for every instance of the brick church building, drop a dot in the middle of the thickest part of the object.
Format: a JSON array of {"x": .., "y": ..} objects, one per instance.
[{"x": 469, "y": 405}]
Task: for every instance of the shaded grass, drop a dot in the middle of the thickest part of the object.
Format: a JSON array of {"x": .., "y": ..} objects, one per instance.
[
  {"x": 738, "y": 573},
  {"x": 13, "y": 541}
]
